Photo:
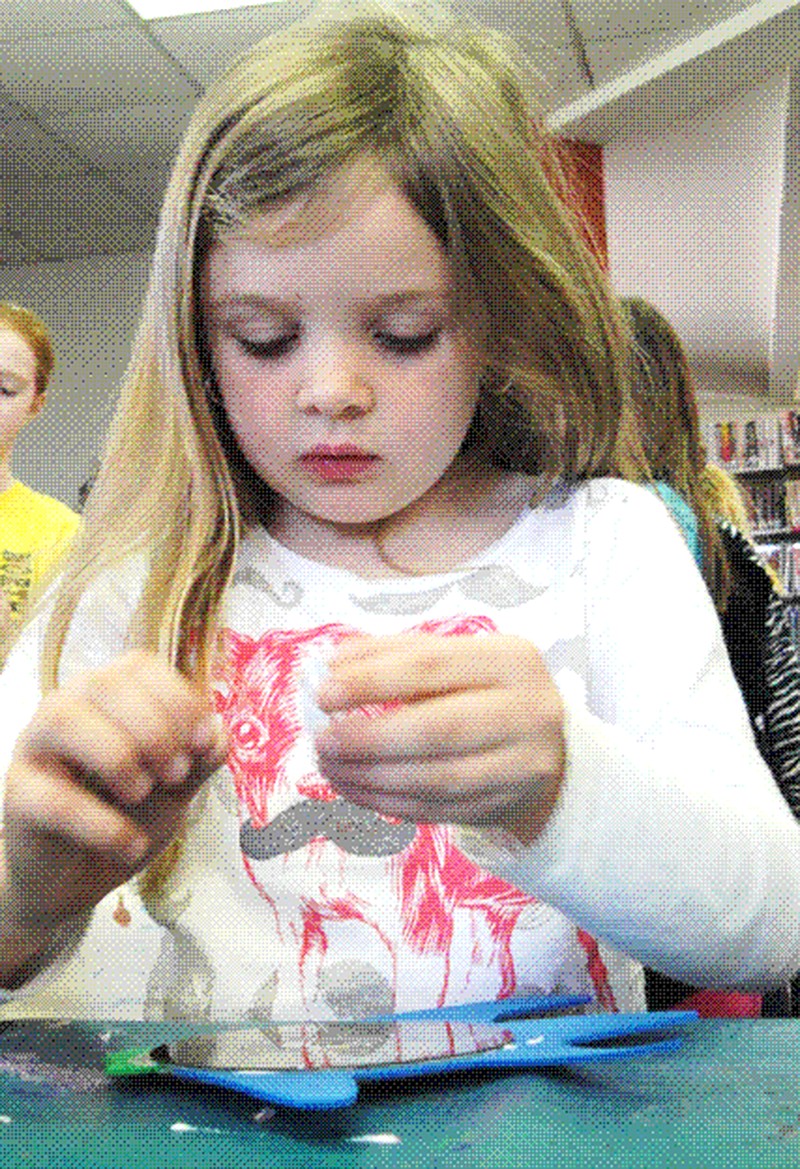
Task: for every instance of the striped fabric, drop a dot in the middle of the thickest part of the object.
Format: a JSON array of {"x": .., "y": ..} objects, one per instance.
[
  {"x": 783, "y": 705},
  {"x": 770, "y": 683},
  {"x": 778, "y": 727}
]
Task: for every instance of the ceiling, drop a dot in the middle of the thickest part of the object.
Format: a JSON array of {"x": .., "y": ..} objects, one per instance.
[{"x": 93, "y": 99}]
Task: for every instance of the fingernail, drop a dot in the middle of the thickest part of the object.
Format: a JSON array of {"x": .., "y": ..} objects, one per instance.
[
  {"x": 178, "y": 769},
  {"x": 139, "y": 790},
  {"x": 207, "y": 733},
  {"x": 135, "y": 849},
  {"x": 327, "y": 741},
  {"x": 331, "y": 693}
]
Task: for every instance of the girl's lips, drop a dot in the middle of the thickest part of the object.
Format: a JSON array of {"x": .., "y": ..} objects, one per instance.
[{"x": 338, "y": 464}]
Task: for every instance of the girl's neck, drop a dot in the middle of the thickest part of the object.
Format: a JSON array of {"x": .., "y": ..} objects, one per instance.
[{"x": 462, "y": 515}]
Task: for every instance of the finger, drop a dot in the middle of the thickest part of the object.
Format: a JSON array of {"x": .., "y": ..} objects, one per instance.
[
  {"x": 48, "y": 802},
  {"x": 83, "y": 740},
  {"x": 421, "y": 665},
  {"x": 170, "y": 752},
  {"x": 455, "y": 724},
  {"x": 485, "y": 805},
  {"x": 439, "y": 776},
  {"x": 360, "y": 645},
  {"x": 170, "y": 722}
]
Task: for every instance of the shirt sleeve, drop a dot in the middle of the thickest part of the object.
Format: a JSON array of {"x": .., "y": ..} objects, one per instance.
[
  {"x": 670, "y": 839},
  {"x": 97, "y": 634}
]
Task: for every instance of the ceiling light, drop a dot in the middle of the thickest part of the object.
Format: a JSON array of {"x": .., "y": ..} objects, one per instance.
[{"x": 154, "y": 9}]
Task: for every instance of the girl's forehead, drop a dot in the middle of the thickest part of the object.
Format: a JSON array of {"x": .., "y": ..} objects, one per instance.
[
  {"x": 358, "y": 236},
  {"x": 16, "y": 354},
  {"x": 330, "y": 206}
]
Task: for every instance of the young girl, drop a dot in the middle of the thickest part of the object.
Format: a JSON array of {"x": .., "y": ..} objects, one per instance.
[{"x": 363, "y": 691}]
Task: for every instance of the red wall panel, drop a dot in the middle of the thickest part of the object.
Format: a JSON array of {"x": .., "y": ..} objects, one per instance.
[{"x": 579, "y": 181}]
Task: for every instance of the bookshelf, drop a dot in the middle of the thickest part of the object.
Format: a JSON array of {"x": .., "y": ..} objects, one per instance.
[{"x": 763, "y": 455}]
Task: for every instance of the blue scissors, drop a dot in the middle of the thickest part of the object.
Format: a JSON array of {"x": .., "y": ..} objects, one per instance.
[{"x": 314, "y": 1065}]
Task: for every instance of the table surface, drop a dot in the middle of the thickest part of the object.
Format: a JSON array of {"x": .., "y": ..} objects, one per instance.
[{"x": 730, "y": 1097}]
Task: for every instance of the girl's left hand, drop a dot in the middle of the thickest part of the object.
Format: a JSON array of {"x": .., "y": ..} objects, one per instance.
[{"x": 476, "y": 737}]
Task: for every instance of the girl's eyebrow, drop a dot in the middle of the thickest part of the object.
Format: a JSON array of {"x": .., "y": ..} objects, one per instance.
[
  {"x": 16, "y": 380},
  {"x": 383, "y": 301}
]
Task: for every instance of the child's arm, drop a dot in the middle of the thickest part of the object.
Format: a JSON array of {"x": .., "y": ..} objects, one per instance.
[
  {"x": 98, "y": 784},
  {"x": 668, "y": 838}
]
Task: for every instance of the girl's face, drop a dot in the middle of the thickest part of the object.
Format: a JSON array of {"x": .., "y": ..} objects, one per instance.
[
  {"x": 346, "y": 378},
  {"x": 19, "y": 401}
]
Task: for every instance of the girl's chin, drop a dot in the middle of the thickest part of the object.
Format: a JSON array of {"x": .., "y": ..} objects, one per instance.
[
  {"x": 351, "y": 515},
  {"x": 347, "y": 519}
]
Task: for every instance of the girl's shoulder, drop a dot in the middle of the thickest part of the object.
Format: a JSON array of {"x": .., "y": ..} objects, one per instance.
[
  {"x": 615, "y": 500},
  {"x": 607, "y": 515},
  {"x": 747, "y": 566},
  {"x": 36, "y": 514},
  {"x": 683, "y": 516},
  {"x": 37, "y": 503}
]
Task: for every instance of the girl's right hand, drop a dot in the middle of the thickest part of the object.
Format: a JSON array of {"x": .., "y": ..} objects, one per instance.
[{"x": 99, "y": 783}]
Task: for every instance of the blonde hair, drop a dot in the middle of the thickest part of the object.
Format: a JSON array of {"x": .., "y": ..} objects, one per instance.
[
  {"x": 444, "y": 111},
  {"x": 666, "y": 409},
  {"x": 722, "y": 496},
  {"x": 33, "y": 332}
]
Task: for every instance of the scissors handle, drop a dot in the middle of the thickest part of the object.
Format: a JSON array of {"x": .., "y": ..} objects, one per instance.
[
  {"x": 591, "y": 1038},
  {"x": 498, "y": 1010},
  {"x": 533, "y": 1043},
  {"x": 321, "y": 1091},
  {"x": 526, "y": 1043}
]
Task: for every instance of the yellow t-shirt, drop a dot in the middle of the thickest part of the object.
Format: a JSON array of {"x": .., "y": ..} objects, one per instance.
[{"x": 35, "y": 532}]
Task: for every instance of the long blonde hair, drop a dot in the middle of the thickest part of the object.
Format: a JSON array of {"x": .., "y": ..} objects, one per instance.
[
  {"x": 445, "y": 111},
  {"x": 723, "y": 498}
]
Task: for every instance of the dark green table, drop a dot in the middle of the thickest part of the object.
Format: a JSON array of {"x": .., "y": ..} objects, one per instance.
[{"x": 731, "y": 1098}]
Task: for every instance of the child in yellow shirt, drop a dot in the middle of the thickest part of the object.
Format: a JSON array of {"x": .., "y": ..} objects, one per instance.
[{"x": 35, "y": 530}]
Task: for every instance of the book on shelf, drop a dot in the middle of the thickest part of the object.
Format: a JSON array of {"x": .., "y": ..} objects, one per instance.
[
  {"x": 790, "y": 437},
  {"x": 773, "y": 554},
  {"x": 785, "y": 559},
  {"x": 792, "y": 503},
  {"x": 761, "y": 444},
  {"x": 746, "y": 444},
  {"x": 766, "y": 503},
  {"x": 725, "y": 446}
]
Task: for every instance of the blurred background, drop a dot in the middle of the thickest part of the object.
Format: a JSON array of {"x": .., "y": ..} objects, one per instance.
[{"x": 682, "y": 118}]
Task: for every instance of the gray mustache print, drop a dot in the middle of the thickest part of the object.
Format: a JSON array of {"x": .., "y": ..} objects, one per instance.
[{"x": 358, "y": 831}]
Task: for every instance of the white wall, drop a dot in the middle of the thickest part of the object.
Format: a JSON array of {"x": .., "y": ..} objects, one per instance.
[
  {"x": 91, "y": 307},
  {"x": 693, "y": 218}
]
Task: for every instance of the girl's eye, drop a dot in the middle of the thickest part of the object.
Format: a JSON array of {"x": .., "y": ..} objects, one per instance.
[
  {"x": 267, "y": 350},
  {"x": 399, "y": 345},
  {"x": 408, "y": 346}
]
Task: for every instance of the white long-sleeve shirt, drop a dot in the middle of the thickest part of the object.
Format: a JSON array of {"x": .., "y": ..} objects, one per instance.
[{"x": 670, "y": 844}]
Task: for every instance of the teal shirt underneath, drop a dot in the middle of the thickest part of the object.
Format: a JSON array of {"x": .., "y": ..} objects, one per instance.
[{"x": 684, "y": 517}]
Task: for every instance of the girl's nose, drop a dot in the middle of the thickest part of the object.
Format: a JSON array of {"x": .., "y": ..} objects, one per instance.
[{"x": 334, "y": 384}]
